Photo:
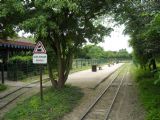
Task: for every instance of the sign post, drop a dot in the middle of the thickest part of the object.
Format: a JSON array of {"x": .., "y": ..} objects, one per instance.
[
  {"x": 41, "y": 87},
  {"x": 40, "y": 57}
]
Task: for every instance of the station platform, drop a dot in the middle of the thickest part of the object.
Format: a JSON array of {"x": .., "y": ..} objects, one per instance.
[{"x": 89, "y": 79}]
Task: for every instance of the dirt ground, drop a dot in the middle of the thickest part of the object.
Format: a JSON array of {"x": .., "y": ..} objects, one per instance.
[{"x": 127, "y": 105}]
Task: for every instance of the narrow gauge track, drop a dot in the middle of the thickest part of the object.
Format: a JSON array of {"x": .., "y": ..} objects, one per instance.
[
  {"x": 12, "y": 96},
  {"x": 102, "y": 106}
]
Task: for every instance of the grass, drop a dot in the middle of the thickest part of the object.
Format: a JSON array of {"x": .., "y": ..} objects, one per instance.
[
  {"x": 149, "y": 93},
  {"x": 2, "y": 87},
  {"x": 55, "y": 105}
]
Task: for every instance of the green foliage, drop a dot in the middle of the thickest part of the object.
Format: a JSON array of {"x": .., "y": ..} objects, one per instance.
[
  {"x": 140, "y": 74},
  {"x": 11, "y": 13},
  {"x": 142, "y": 24},
  {"x": 157, "y": 76},
  {"x": 20, "y": 59},
  {"x": 97, "y": 52},
  {"x": 149, "y": 93},
  {"x": 152, "y": 35},
  {"x": 121, "y": 54},
  {"x": 2, "y": 87},
  {"x": 55, "y": 105},
  {"x": 91, "y": 52}
]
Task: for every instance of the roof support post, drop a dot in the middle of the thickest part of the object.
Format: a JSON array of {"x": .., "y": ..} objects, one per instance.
[{"x": 2, "y": 71}]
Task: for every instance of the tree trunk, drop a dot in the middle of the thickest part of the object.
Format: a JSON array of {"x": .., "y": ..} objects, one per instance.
[
  {"x": 64, "y": 61},
  {"x": 61, "y": 70},
  {"x": 152, "y": 65},
  {"x": 64, "y": 66},
  {"x": 53, "y": 81}
]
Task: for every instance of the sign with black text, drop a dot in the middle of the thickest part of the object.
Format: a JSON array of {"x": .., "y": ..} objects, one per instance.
[{"x": 40, "y": 58}]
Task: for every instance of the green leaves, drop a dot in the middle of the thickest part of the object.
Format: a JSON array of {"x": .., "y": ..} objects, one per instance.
[
  {"x": 20, "y": 59},
  {"x": 57, "y": 5},
  {"x": 11, "y": 13},
  {"x": 142, "y": 23}
]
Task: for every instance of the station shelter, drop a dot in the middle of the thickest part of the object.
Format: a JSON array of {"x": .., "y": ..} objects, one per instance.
[{"x": 10, "y": 47}]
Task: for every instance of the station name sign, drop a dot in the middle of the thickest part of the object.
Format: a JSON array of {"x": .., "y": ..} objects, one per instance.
[{"x": 40, "y": 58}]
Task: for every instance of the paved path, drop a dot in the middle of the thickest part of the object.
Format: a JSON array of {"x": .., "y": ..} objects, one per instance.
[{"x": 89, "y": 79}]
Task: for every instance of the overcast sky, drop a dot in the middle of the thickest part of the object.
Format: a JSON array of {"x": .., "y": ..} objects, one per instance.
[{"x": 117, "y": 40}]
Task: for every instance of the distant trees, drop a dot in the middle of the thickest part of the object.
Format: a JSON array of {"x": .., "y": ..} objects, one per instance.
[
  {"x": 97, "y": 52},
  {"x": 90, "y": 52}
]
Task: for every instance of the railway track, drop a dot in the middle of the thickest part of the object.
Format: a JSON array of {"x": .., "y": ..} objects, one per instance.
[
  {"x": 7, "y": 99},
  {"x": 102, "y": 106}
]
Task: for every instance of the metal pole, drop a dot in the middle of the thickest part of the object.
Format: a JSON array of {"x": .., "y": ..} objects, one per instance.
[
  {"x": 81, "y": 63},
  {"x": 41, "y": 87}
]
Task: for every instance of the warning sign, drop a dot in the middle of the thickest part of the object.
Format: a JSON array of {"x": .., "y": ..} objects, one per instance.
[
  {"x": 39, "y": 54},
  {"x": 39, "y": 48}
]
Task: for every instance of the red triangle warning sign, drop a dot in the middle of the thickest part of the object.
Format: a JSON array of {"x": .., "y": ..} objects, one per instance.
[{"x": 39, "y": 48}]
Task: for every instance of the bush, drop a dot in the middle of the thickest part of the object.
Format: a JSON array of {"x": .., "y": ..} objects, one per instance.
[
  {"x": 17, "y": 59},
  {"x": 149, "y": 93}
]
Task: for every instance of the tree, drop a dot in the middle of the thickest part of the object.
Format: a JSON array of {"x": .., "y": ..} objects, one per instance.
[
  {"x": 138, "y": 18},
  {"x": 97, "y": 52},
  {"x": 10, "y": 16},
  {"x": 91, "y": 52},
  {"x": 64, "y": 26}
]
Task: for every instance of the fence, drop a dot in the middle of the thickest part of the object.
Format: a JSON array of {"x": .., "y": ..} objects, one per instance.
[
  {"x": 18, "y": 71},
  {"x": 21, "y": 70},
  {"x": 79, "y": 63}
]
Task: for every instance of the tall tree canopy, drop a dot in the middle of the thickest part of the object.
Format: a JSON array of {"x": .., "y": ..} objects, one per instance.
[
  {"x": 11, "y": 14},
  {"x": 97, "y": 52},
  {"x": 90, "y": 52},
  {"x": 64, "y": 26}
]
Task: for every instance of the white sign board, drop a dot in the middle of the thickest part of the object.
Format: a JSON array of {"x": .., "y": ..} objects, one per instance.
[{"x": 40, "y": 58}]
